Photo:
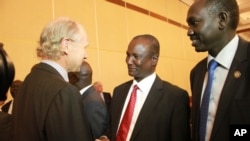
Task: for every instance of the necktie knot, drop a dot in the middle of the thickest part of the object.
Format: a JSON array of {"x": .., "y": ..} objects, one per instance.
[
  {"x": 212, "y": 65},
  {"x": 136, "y": 87}
]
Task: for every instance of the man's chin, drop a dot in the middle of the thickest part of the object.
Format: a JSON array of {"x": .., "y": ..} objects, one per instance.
[
  {"x": 200, "y": 50},
  {"x": 131, "y": 74}
]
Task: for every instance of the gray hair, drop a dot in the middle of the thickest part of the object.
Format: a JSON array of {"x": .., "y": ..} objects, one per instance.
[{"x": 53, "y": 34}]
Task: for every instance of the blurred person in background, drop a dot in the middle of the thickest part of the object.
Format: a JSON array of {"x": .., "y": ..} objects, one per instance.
[
  {"x": 105, "y": 95},
  {"x": 7, "y": 74},
  {"x": 95, "y": 108}
]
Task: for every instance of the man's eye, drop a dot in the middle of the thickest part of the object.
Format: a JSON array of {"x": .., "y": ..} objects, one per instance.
[
  {"x": 193, "y": 22},
  {"x": 136, "y": 57}
]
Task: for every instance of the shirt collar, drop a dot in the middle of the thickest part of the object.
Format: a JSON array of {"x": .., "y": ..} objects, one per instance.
[
  {"x": 226, "y": 55},
  {"x": 59, "y": 68},
  {"x": 146, "y": 83},
  {"x": 84, "y": 89}
]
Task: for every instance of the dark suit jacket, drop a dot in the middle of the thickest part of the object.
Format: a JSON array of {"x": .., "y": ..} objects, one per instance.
[
  {"x": 6, "y": 127},
  {"x": 6, "y": 106},
  {"x": 107, "y": 98},
  {"x": 163, "y": 117},
  {"x": 234, "y": 104},
  {"x": 47, "y": 108},
  {"x": 96, "y": 111}
]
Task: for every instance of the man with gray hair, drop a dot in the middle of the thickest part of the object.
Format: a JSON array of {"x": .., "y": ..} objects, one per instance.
[{"x": 47, "y": 107}]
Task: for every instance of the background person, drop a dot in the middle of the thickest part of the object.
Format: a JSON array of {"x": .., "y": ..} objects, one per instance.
[
  {"x": 95, "y": 108},
  {"x": 13, "y": 91},
  {"x": 7, "y": 74},
  {"x": 105, "y": 95},
  {"x": 6, "y": 124}
]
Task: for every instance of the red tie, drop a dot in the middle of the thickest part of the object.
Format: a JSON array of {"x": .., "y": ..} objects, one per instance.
[{"x": 125, "y": 123}]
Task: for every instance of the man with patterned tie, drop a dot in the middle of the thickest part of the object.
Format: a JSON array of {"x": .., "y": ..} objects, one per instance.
[
  {"x": 212, "y": 28},
  {"x": 161, "y": 110}
]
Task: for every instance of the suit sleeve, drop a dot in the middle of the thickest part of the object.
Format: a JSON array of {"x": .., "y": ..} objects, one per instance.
[
  {"x": 180, "y": 127},
  {"x": 98, "y": 117},
  {"x": 65, "y": 119}
]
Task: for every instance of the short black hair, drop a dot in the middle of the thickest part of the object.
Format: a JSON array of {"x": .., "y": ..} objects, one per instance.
[
  {"x": 230, "y": 6},
  {"x": 153, "y": 42},
  {"x": 7, "y": 73}
]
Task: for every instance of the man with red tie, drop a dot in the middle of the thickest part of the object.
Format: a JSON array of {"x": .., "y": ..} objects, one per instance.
[{"x": 159, "y": 110}]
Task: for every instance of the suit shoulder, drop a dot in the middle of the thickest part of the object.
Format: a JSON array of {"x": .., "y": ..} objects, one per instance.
[
  {"x": 124, "y": 84},
  {"x": 173, "y": 88},
  {"x": 106, "y": 93},
  {"x": 199, "y": 65},
  {"x": 91, "y": 95}
]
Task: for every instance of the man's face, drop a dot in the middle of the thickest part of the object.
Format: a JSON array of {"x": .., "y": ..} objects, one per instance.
[
  {"x": 14, "y": 88},
  {"x": 77, "y": 53},
  {"x": 203, "y": 29},
  {"x": 99, "y": 88},
  {"x": 139, "y": 59},
  {"x": 72, "y": 77}
]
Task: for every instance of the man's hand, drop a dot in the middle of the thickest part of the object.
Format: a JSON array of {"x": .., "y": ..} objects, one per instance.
[{"x": 103, "y": 138}]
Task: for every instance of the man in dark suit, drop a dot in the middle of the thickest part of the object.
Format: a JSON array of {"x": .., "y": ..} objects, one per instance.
[
  {"x": 95, "y": 108},
  {"x": 161, "y": 111},
  {"x": 212, "y": 28},
  {"x": 47, "y": 107},
  {"x": 13, "y": 91},
  {"x": 105, "y": 95}
]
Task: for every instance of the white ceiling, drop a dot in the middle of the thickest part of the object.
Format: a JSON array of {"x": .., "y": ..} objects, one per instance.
[{"x": 244, "y": 25}]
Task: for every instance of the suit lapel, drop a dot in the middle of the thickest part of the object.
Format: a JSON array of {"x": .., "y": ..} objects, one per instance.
[
  {"x": 196, "y": 81},
  {"x": 198, "y": 84},
  {"x": 232, "y": 84},
  {"x": 120, "y": 97},
  {"x": 151, "y": 101}
]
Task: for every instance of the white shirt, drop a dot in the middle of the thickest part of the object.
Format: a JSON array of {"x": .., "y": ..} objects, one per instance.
[
  {"x": 84, "y": 89},
  {"x": 102, "y": 96},
  {"x": 11, "y": 107},
  {"x": 142, "y": 93},
  {"x": 59, "y": 68},
  {"x": 224, "y": 58}
]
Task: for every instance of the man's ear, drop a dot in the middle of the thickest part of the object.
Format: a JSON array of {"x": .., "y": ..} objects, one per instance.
[
  {"x": 65, "y": 46},
  {"x": 223, "y": 20},
  {"x": 155, "y": 59}
]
